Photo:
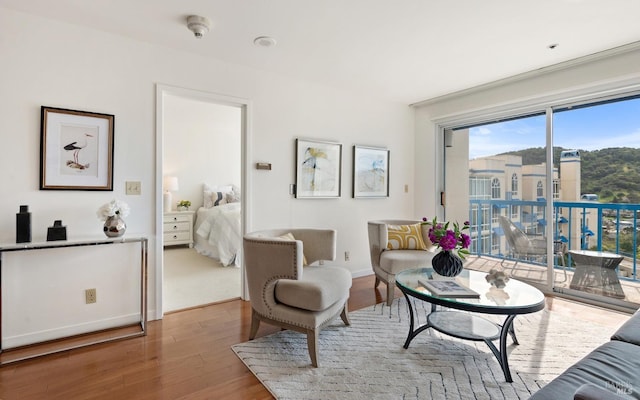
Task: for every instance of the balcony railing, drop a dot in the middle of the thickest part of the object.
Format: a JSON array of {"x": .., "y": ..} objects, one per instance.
[{"x": 586, "y": 225}]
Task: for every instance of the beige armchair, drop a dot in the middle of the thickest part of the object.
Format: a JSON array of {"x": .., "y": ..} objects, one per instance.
[
  {"x": 387, "y": 263},
  {"x": 288, "y": 294}
]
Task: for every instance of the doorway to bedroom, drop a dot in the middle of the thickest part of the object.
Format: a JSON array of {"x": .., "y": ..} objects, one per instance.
[{"x": 202, "y": 165}]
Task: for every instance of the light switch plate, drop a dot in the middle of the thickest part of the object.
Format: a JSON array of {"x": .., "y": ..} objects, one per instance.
[{"x": 132, "y": 188}]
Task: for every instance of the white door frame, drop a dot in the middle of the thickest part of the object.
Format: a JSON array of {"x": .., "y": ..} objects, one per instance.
[{"x": 245, "y": 105}]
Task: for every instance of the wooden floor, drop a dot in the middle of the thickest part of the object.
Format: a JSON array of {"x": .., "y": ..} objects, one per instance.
[{"x": 186, "y": 355}]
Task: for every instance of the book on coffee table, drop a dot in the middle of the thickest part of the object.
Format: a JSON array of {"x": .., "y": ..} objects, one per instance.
[{"x": 448, "y": 288}]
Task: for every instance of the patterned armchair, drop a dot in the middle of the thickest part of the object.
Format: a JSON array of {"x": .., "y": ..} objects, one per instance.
[{"x": 404, "y": 252}]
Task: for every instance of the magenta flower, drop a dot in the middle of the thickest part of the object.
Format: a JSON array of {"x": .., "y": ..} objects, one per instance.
[
  {"x": 449, "y": 239},
  {"x": 466, "y": 240}
]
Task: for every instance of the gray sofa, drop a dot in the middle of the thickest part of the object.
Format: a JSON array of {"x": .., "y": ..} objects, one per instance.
[{"x": 611, "y": 371}]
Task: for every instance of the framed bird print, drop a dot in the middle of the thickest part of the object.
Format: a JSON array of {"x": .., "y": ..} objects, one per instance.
[
  {"x": 318, "y": 169},
  {"x": 76, "y": 150},
  {"x": 370, "y": 172}
]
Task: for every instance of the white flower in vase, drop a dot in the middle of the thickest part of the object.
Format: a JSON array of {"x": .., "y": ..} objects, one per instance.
[{"x": 113, "y": 208}]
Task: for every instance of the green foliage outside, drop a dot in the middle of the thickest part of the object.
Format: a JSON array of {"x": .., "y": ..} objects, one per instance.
[{"x": 613, "y": 174}]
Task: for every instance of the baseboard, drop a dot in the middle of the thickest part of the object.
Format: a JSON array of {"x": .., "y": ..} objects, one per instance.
[
  {"x": 361, "y": 273},
  {"x": 67, "y": 331}
]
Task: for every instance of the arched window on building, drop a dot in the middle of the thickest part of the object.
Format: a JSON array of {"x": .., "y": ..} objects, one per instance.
[
  {"x": 514, "y": 185},
  {"x": 495, "y": 188},
  {"x": 540, "y": 189}
]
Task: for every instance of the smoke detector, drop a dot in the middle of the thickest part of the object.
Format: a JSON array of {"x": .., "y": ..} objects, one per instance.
[{"x": 198, "y": 25}]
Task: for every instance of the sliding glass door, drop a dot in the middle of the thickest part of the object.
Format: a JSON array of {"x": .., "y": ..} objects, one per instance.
[
  {"x": 599, "y": 203},
  {"x": 505, "y": 176},
  {"x": 553, "y": 197}
]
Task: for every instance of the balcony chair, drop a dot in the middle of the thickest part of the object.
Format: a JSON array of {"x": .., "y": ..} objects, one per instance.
[
  {"x": 387, "y": 262},
  {"x": 287, "y": 293},
  {"x": 524, "y": 247}
]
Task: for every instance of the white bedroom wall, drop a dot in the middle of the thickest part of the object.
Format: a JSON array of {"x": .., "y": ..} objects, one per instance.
[
  {"x": 45, "y": 62},
  {"x": 201, "y": 145}
]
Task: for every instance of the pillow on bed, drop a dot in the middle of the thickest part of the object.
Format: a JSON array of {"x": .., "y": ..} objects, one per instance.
[
  {"x": 218, "y": 198},
  {"x": 234, "y": 195},
  {"x": 211, "y": 195}
]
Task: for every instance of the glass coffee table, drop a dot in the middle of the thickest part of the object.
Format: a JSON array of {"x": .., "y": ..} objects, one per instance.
[{"x": 513, "y": 299}]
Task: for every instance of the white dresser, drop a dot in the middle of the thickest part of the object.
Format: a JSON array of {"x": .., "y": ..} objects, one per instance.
[{"x": 178, "y": 228}]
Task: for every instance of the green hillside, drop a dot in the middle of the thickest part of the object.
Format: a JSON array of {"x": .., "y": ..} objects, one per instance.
[{"x": 613, "y": 174}]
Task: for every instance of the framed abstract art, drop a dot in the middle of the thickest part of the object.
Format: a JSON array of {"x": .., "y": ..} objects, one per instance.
[
  {"x": 370, "y": 172},
  {"x": 318, "y": 169}
]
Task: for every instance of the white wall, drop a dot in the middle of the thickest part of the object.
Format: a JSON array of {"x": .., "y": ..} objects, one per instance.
[
  {"x": 201, "y": 145},
  {"x": 50, "y": 63}
]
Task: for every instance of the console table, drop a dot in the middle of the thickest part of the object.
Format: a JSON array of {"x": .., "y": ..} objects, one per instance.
[{"x": 75, "y": 341}]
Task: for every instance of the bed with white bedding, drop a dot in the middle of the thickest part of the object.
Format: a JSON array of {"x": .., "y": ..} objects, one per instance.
[
  {"x": 217, "y": 230},
  {"x": 218, "y": 233}
]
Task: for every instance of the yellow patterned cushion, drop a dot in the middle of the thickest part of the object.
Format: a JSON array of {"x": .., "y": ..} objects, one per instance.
[
  {"x": 405, "y": 237},
  {"x": 289, "y": 236}
]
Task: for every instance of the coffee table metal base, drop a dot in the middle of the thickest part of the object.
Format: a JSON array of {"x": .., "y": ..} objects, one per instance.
[{"x": 467, "y": 326}]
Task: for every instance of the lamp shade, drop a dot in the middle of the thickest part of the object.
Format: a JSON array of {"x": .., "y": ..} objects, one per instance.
[{"x": 170, "y": 183}]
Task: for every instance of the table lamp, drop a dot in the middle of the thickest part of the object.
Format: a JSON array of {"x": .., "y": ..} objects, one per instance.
[{"x": 170, "y": 185}]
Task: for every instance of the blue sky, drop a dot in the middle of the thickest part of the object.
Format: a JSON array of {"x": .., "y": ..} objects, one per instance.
[{"x": 590, "y": 128}]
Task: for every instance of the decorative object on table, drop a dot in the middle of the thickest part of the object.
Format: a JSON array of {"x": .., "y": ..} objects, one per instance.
[
  {"x": 497, "y": 278},
  {"x": 23, "y": 225},
  {"x": 448, "y": 288},
  {"x": 170, "y": 184},
  {"x": 76, "y": 150},
  {"x": 318, "y": 169},
  {"x": 183, "y": 205},
  {"x": 112, "y": 214},
  {"x": 454, "y": 244},
  {"x": 370, "y": 172},
  {"x": 57, "y": 231}
]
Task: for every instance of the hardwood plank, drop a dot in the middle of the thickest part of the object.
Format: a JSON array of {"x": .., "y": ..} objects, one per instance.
[{"x": 186, "y": 355}]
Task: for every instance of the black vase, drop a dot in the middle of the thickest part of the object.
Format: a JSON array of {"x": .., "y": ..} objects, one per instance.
[
  {"x": 23, "y": 225},
  {"x": 446, "y": 263}
]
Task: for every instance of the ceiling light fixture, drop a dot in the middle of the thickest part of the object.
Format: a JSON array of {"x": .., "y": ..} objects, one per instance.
[
  {"x": 198, "y": 25},
  {"x": 264, "y": 41}
]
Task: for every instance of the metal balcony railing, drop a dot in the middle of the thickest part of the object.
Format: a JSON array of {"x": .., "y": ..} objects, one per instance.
[{"x": 587, "y": 225}]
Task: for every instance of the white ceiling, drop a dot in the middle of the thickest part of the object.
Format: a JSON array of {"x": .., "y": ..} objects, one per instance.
[{"x": 402, "y": 50}]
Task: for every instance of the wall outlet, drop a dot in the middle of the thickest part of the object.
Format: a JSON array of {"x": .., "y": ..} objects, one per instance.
[
  {"x": 90, "y": 296},
  {"x": 347, "y": 256}
]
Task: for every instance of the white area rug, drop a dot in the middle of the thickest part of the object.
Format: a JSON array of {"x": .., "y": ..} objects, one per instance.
[
  {"x": 191, "y": 279},
  {"x": 367, "y": 361}
]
